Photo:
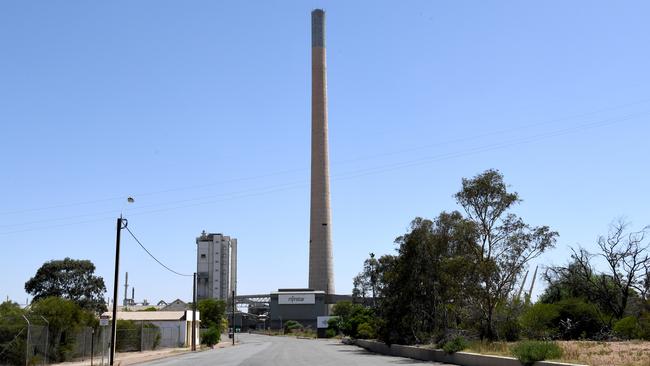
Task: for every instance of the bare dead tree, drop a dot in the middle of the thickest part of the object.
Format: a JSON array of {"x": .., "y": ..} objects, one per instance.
[
  {"x": 627, "y": 264},
  {"x": 627, "y": 259}
]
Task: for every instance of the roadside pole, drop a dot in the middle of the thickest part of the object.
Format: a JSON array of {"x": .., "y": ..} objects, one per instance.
[
  {"x": 117, "y": 273},
  {"x": 194, "y": 312},
  {"x": 92, "y": 346},
  {"x": 233, "y": 317}
]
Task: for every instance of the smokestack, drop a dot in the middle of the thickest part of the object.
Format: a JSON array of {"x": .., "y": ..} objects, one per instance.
[
  {"x": 126, "y": 290},
  {"x": 321, "y": 274}
]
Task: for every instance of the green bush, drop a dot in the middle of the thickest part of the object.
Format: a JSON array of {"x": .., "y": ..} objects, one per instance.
[
  {"x": 628, "y": 328},
  {"x": 540, "y": 321},
  {"x": 291, "y": 326},
  {"x": 578, "y": 319},
  {"x": 211, "y": 336},
  {"x": 644, "y": 323},
  {"x": 366, "y": 331},
  {"x": 333, "y": 325},
  {"x": 330, "y": 333},
  {"x": 508, "y": 330},
  {"x": 455, "y": 344},
  {"x": 529, "y": 352},
  {"x": 350, "y": 316}
]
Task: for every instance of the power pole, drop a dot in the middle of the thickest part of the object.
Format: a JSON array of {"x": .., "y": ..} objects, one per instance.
[
  {"x": 233, "y": 317},
  {"x": 194, "y": 312},
  {"x": 115, "y": 285}
]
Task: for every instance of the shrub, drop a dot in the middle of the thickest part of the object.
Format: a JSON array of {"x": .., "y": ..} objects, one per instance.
[
  {"x": 578, "y": 319},
  {"x": 529, "y": 352},
  {"x": 350, "y": 316},
  {"x": 211, "y": 336},
  {"x": 644, "y": 323},
  {"x": 456, "y": 344},
  {"x": 292, "y": 325},
  {"x": 365, "y": 331},
  {"x": 330, "y": 333},
  {"x": 628, "y": 328},
  {"x": 333, "y": 325},
  {"x": 539, "y": 321},
  {"x": 508, "y": 330}
]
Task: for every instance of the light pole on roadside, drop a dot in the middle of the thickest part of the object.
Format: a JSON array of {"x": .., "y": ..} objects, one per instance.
[
  {"x": 233, "y": 317},
  {"x": 121, "y": 224},
  {"x": 194, "y": 312}
]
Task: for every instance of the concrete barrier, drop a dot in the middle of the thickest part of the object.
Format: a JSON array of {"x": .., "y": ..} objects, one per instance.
[{"x": 438, "y": 355}]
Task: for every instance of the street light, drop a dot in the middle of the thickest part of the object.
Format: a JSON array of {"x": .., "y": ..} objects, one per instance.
[{"x": 122, "y": 223}]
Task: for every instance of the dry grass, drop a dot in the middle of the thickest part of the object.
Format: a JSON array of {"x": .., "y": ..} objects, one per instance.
[
  {"x": 490, "y": 348},
  {"x": 632, "y": 353}
]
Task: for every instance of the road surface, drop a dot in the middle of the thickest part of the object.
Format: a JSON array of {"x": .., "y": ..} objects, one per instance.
[{"x": 261, "y": 350}]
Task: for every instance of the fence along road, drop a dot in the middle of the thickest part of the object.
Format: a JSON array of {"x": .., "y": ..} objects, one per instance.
[{"x": 281, "y": 351}]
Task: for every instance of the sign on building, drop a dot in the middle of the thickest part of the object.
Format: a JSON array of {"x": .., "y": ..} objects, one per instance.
[
  {"x": 296, "y": 299},
  {"x": 321, "y": 321}
]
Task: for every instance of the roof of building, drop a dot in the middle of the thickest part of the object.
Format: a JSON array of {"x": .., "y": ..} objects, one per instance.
[
  {"x": 296, "y": 291},
  {"x": 152, "y": 315}
]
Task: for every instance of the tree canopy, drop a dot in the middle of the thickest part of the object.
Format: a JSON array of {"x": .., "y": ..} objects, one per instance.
[
  {"x": 212, "y": 312},
  {"x": 70, "y": 279},
  {"x": 506, "y": 243},
  {"x": 457, "y": 272}
]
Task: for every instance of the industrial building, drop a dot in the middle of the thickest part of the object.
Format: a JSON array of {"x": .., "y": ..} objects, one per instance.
[
  {"x": 311, "y": 306},
  {"x": 216, "y": 266},
  {"x": 301, "y": 305}
]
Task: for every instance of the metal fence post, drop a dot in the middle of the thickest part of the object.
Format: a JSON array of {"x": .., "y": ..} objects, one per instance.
[
  {"x": 47, "y": 338},
  {"x": 92, "y": 346},
  {"x": 28, "y": 341},
  {"x": 141, "y": 335}
]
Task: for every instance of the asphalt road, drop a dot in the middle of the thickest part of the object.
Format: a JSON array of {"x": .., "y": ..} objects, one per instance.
[{"x": 282, "y": 351}]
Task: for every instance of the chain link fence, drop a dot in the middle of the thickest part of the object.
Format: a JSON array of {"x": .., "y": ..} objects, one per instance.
[{"x": 32, "y": 342}]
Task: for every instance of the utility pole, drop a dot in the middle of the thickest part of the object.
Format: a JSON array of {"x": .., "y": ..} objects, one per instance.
[
  {"x": 115, "y": 284},
  {"x": 233, "y": 317},
  {"x": 194, "y": 312}
]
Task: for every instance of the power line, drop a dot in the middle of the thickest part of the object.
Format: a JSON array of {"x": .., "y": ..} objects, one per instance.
[
  {"x": 154, "y": 258},
  {"x": 395, "y": 152},
  {"x": 345, "y": 176}
]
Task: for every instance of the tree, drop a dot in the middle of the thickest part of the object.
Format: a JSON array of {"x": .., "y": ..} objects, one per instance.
[
  {"x": 625, "y": 278},
  {"x": 12, "y": 334},
  {"x": 424, "y": 287},
  {"x": 70, "y": 279},
  {"x": 65, "y": 317},
  {"x": 505, "y": 243},
  {"x": 365, "y": 283},
  {"x": 369, "y": 284},
  {"x": 212, "y": 312},
  {"x": 627, "y": 259}
]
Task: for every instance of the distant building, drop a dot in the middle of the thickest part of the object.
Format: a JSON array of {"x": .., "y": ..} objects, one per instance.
[
  {"x": 174, "y": 327},
  {"x": 301, "y": 305},
  {"x": 176, "y": 305},
  {"x": 216, "y": 266}
]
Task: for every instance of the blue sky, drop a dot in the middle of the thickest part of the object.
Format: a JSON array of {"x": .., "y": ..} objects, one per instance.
[{"x": 200, "y": 110}]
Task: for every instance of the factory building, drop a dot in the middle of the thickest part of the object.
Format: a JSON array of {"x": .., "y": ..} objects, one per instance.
[{"x": 216, "y": 266}]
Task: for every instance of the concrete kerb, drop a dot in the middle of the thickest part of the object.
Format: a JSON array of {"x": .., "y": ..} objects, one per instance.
[{"x": 458, "y": 358}]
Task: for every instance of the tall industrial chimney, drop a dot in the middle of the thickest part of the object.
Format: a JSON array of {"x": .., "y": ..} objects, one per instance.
[{"x": 321, "y": 273}]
